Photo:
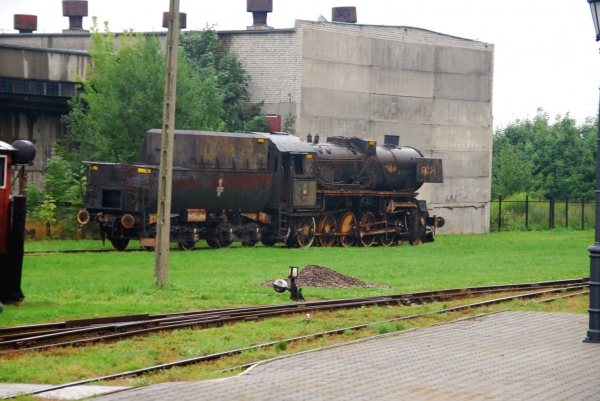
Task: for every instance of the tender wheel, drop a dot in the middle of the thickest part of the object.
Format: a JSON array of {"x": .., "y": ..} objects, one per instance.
[
  {"x": 224, "y": 238},
  {"x": 187, "y": 246},
  {"x": 416, "y": 241},
  {"x": 347, "y": 226},
  {"x": 214, "y": 243},
  {"x": 306, "y": 235},
  {"x": 327, "y": 226},
  {"x": 268, "y": 241},
  {"x": 367, "y": 223},
  {"x": 249, "y": 244},
  {"x": 119, "y": 243}
]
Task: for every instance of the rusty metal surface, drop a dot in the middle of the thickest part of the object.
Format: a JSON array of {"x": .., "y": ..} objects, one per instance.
[
  {"x": 259, "y": 6},
  {"x": 347, "y": 192},
  {"x": 286, "y": 143},
  {"x": 24, "y": 22},
  {"x": 429, "y": 170},
  {"x": 344, "y": 14},
  {"x": 75, "y": 8},
  {"x": 182, "y": 20}
]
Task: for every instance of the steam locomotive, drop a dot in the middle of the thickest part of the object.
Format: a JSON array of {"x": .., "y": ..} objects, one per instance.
[{"x": 273, "y": 188}]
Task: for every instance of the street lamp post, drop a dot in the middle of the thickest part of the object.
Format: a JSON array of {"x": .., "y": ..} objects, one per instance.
[{"x": 593, "y": 334}]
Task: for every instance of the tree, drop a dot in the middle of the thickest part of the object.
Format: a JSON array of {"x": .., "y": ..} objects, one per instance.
[
  {"x": 202, "y": 51},
  {"x": 123, "y": 97},
  {"x": 538, "y": 157}
]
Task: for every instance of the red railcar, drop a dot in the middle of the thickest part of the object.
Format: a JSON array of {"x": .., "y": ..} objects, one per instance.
[{"x": 12, "y": 221}]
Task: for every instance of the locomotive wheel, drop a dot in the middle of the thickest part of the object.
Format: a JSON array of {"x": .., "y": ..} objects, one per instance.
[
  {"x": 187, "y": 246},
  {"x": 367, "y": 221},
  {"x": 249, "y": 244},
  {"x": 387, "y": 239},
  {"x": 327, "y": 226},
  {"x": 224, "y": 240},
  {"x": 347, "y": 225},
  {"x": 306, "y": 235},
  {"x": 416, "y": 241},
  {"x": 119, "y": 243}
]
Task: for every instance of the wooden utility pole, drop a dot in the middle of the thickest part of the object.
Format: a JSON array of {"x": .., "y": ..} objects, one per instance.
[{"x": 165, "y": 175}]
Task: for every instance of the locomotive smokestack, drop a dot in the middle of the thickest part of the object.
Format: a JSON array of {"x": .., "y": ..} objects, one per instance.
[
  {"x": 25, "y": 23},
  {"x": 75, "y": 10},
  {"x": 344, "y": 14},
  {"x": 259, "y": 10},
  {"x": 182, "y": 20}
]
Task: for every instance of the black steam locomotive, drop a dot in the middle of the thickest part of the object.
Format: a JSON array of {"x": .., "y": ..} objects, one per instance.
[{"x": 272, "y": 188}]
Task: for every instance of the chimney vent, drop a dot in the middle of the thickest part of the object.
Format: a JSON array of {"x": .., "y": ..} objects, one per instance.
[
  {"x": 343, "y": 14},
  {"x": 25, "y": 23},
  {"x": 182, "y": 20},
  {"x": 75, "y": 10},
  {"x": 259, "y": 10}
]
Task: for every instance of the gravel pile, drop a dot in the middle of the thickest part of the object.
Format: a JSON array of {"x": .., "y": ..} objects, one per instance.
[{"x": 324, "y": 277}]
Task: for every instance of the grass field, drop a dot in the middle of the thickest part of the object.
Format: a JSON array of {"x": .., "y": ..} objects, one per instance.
[{"x": 69, "y": 286}]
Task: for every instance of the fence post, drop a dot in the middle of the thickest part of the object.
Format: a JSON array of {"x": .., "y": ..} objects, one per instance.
[
  {"x": 499, "y": 212},
  {"x": 527, "y": 212},
  {"x": 582, "y": 213},
  {"x": 551, "y": 211},
  {"x": 567, "y": 212}
]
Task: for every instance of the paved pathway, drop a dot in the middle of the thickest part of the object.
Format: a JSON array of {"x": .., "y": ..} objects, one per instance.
[{"x": 504, "y": 356}]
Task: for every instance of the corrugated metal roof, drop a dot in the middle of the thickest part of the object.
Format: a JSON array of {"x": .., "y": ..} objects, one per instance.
[
  {"x": 290, "y": 143},
  {"x": 6, "y": 148}
]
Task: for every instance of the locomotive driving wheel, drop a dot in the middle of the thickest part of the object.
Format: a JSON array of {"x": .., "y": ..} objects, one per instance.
[
  {"x": 186, "y": 246},
  {"x": 347, "y": 226},
  {"x": 387, "y": 239},
  {"x": 327, "y": 230},
  {"x": 306, "y": 234},
  {"x": 367, "y": 223}
]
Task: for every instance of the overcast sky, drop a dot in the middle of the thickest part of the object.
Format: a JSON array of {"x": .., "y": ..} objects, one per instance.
[{"x": 546, "y": 55}]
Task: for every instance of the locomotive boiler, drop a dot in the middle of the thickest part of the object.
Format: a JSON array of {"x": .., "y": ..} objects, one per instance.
[{"x": 272, "y": 188}]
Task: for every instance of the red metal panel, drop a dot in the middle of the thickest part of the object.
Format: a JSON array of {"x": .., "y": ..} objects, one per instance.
[
  {"x": 275, "y": 121},
  {"x": 4, "y": 207},
  {"x": 24, "y": 22},
  {"x": 75, "y": 8},
  {"x": 343, "y": 14},
  {"x": 182, "y": 20},
  {"x": 259, "y": 6}
]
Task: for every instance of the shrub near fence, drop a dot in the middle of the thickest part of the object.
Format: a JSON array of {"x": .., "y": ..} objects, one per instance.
[
  {"x": 64, "y": 226},
  {"x": 524, "y": 212}
]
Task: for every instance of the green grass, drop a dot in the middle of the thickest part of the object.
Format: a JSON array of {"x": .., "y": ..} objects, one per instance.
[{"x": 69, "y": 286}]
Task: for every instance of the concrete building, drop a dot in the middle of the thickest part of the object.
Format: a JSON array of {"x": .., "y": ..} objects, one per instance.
[{"x": 432, "y": 90}]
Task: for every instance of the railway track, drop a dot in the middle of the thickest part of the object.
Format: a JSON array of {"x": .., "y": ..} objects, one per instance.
[
  {"x": 90, "y": 331},
  {"x": 570, "y": 289}
]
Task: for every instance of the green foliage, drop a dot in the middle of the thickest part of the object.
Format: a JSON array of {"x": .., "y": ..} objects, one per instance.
[
  {"x": 537, "y": 157},
  {"x": 258, "y": 124},
  {"x": 288, "y": 123},
  {"x": 123, "y": 97},
  {"x": 46, "y": 212},
  {"x": 202, "y": 51}
]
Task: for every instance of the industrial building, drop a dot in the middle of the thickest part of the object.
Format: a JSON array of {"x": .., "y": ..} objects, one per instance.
[{"x": 432, "y": 90}]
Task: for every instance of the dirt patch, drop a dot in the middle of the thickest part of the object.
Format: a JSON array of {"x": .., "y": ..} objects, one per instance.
[{"x": 324, "y": 277}]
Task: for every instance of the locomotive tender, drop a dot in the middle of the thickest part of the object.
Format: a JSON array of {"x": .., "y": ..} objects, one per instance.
[{"x": 273, "y": 188}]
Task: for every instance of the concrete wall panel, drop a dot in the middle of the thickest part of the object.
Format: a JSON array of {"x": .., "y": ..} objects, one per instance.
[
  {"x": 53, "y": 66},
  {"x": 401, "y": 109},
  {"x": 458, "y": 191},
  {"x": 462, "y": 113},
  {"x": 336, "y": 47},
  {"x": 416, "y": 135},
  {"x": 327, "y": 126},
  {"x": 463, "y": 61},
  {"x": 403, "y": 56},
  {"x": 457, "y": 138},
  {"x": 336, "y": 104},
  {"x": 387, "y": 81},
  {"x": 465, "y": 164},
  {"x": 461, "y": 220},
  {"x": 463, "y": 87},
  {"x": 335, "y": 76}
]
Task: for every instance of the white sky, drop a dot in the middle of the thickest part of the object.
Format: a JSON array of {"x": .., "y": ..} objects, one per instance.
[{"x": 546, "y": 55}]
